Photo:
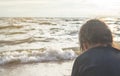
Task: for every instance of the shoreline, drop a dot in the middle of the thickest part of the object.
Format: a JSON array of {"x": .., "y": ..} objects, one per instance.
[{"x": 38, "y": 69}]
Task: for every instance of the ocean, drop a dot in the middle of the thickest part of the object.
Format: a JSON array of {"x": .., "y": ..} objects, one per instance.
[{"x": 43, "y": 46}]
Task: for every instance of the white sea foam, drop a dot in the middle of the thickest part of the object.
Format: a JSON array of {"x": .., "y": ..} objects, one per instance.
[{"x": 50, "y": 54}]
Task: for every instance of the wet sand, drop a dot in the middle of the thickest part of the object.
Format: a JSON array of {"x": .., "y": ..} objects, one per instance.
[{"x": 38, "y": 69}]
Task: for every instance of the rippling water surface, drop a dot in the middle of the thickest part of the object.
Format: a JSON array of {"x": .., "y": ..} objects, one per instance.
[{"x": 36, "y": 39}]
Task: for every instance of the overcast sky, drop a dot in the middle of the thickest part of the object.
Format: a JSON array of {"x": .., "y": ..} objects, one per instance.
[{"x": 59, "y": 8}]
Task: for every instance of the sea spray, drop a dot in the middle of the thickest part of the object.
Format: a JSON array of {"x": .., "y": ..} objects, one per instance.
[{"x": 57, "y": 53}]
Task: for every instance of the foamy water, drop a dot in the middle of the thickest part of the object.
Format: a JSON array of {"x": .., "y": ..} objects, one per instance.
[
  {"x": 42, "y": 46},
  {"x": 30, "y": 56},
  {"x": 24, "y": 40},
  {"x": 38, "y": 69}
]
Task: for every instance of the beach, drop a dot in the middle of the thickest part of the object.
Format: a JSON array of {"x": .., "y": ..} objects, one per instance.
[{"x": 38, "y": 69}]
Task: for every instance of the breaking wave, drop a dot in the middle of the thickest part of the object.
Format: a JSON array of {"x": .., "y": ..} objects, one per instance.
[{"x": 28, "y": 56}]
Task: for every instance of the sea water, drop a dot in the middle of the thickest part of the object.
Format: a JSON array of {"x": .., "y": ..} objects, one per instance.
[{"x": 46, "y": 46}]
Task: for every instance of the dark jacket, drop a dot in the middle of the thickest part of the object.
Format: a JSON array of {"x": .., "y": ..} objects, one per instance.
[{"x": 98, "y": 61}]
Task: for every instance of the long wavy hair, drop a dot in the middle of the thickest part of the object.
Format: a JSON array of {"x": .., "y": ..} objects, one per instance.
[{"x": 95, "y": 32}]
